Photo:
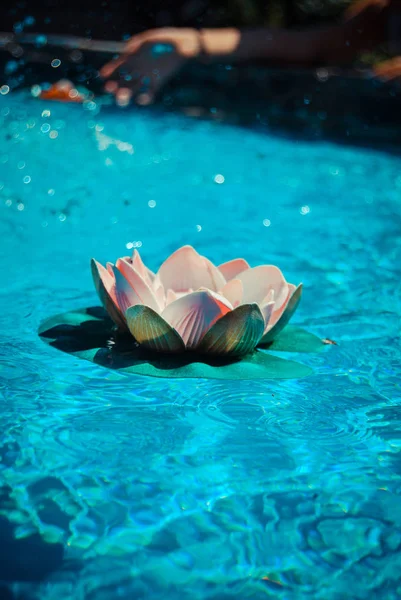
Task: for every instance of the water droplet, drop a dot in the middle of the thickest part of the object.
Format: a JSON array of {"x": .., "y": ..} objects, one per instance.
[
  {"x": 18, "y": 27},
  {"x": 36, "y": 91},
  {"x": 90, "y": 105},
  {"x": 322, "y": 74},
  {"x": 76, "y": 56},
  {"x": 11, "y": 67},
  {"x": 130, "y": 245},
  {"x": 41, "y": 40}
]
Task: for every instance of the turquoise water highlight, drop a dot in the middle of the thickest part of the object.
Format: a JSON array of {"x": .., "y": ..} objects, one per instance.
[{"x": 146, "y": 488}]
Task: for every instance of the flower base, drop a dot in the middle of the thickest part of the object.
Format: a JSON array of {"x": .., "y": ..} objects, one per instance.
[{"x": 89, "y": 334}]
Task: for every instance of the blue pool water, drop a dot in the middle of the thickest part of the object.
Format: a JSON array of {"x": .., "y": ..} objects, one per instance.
[{"x": 119, "y": 486}]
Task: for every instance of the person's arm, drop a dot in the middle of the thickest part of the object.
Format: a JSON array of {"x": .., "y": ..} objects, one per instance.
[
  {"x": 362, "y": 29},
  {"x": 279, "y": 45},
  {"x": 155, "y": 56}
]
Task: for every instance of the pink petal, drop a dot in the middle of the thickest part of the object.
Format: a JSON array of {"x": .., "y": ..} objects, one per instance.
[
  {"x": 217, "y": 280},
  {"x": 141, "y": 288},
  {"x": 269, "y": 297},
  {"x": 259, "y": 281},
  {"x": 291, "y": 306},
  {"x": 171, "y": 296},
  {"x": 141, "y": 268},
  {"x": 233, "y": 291},
  {"x": 106, "y": 278},
  {"x": 267, "y": 311},
  {"x": 186, "y": 269},
  {"x": 232, "y": 268},
  {"x": 218, "y": 297},
  {"x": 106, "y": 289},
  {"x": 126, "y": 295},
  {"x": 159, "y": 293},
  {"x": 277, "y": 312},
  {"x": 194, "y": 314}
]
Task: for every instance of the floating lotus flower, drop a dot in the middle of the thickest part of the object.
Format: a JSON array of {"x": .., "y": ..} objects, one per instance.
[{"x": 190, "y": 304}]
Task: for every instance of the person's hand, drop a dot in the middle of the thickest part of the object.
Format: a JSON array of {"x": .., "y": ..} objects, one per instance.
[
  {"x": 388, "y": 70},
  {"x": 360, "y": 6},
  {"x": 150, "y": 59}
]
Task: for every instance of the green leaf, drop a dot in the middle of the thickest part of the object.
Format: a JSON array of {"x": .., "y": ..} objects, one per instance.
[
  {"x": 88, "y": 334},
  {"x": 295, "y": 339}
]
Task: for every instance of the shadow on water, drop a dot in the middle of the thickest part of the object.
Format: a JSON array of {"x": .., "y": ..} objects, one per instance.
[
  {"x": 7, "y": 594},
  {"x": 24, "y": 560},
  {"x": 88, "y": 334},
  {"x": 30, "y": 559}
]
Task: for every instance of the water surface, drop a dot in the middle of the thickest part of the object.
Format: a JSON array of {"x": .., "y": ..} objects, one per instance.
[{"x": 169, "y": 489}]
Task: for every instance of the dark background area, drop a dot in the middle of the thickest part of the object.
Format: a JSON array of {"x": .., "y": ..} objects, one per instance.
[
  {"x": 114, "y": 19},
  {"x": 315, "y": 103}
]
